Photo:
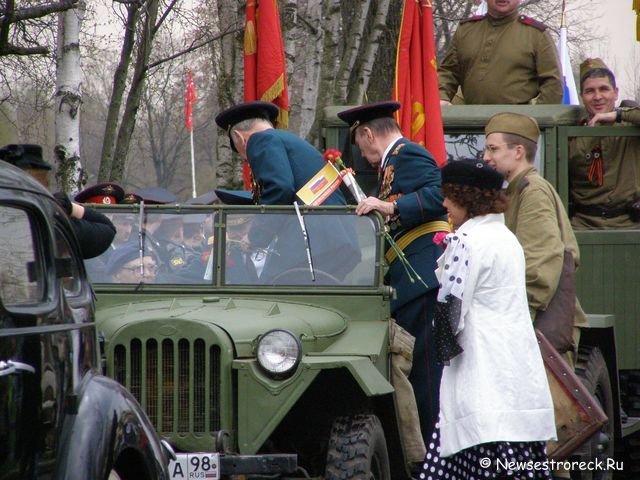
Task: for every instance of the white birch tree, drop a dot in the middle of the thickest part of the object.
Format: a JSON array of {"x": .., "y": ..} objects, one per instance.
[{"x": 68, "y": 99}]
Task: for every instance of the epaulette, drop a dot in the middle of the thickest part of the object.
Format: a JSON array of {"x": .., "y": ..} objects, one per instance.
[
  {"x": 397, "y": 149},
  {"x": 532, "y": 22},
  {"x": 522, "y": 184},
  {"x": 475, "y": 18}
]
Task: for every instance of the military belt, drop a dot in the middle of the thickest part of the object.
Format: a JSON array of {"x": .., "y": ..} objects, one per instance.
[
  {"x": 405, "y": 240},
  {"x": 599, "y": 211}
]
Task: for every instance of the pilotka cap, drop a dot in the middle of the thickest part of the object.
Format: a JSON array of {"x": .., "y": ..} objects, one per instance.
[
  {"x": 515, "y": 124},
  {"x": 591, "y": 64}
]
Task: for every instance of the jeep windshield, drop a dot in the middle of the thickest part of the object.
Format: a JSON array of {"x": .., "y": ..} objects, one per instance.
[{"x": 235, "y": 247}]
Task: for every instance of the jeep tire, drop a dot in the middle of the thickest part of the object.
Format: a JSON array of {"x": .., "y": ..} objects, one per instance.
[
  {"x": 357, "y": 449},
  {"x": 591, "y": 368}
]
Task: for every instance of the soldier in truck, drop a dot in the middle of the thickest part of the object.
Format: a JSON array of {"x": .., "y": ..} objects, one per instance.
[{"x": 604, "y": 171}]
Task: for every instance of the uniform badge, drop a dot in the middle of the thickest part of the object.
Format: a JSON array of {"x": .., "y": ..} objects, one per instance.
[
  {"x": 596, "y": 166},
  {"x": 387, "y": 181}
]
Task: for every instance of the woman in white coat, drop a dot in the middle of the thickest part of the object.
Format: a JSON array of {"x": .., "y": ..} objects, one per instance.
[{"x": 496, "y": 411}]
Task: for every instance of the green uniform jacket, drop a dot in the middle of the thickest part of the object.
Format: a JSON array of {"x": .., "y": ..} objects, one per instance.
[
  {"x": 512, "y": 60},
  {"x": 538, "y": 219},
  {"x": 620, "y": 180}
]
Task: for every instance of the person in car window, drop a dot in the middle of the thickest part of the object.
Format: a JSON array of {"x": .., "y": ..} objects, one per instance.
[
  {"x": 495, "y": 403},
  {"x": 124, "y": 265}
]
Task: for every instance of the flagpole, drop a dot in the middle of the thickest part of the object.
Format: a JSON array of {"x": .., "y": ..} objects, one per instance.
[{"x": 193, "y": 168}]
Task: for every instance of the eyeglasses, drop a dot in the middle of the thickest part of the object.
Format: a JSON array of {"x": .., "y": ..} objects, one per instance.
[
  {"x": 147, "y": 269},
  {"x": 494, "y": 148}
]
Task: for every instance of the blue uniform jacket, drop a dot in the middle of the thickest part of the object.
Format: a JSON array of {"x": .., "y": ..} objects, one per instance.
[
  {"x": 412, "y": 178},
  {"x": 281, "y": 164}
]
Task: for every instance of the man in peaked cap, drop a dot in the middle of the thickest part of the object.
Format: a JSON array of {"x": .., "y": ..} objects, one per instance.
[
  {"x": 502, "y": 57},
  {"x": 281, "y": 163},
  {"x": 94, "y": 231},
  {"x": 155, "y": 195},
  {"x": 603, "y": 171},
  {"x": 409, "y": 197},
  {"x": 108, "y": 193},
  {"x": 537, "y": 218}
]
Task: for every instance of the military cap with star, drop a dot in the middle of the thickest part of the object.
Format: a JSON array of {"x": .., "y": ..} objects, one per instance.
[
  {"x": 592, "y": 64},
  {"x": 24, "y": 155},
  {"x": 156, "y": 195},
  {"x": 365, "y": 113},
  {"x": 107, "y": 193},
  {"x": 472, "y": 172},
  {"x": 131, "y": 199},
  {"x": 245, "y": 111}
]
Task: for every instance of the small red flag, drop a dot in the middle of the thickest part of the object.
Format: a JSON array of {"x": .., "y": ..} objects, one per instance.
[
  {"x": 189, "y": 100},
  {"x": 265, "y": 73},
  {"x": 416, "y": 80}
]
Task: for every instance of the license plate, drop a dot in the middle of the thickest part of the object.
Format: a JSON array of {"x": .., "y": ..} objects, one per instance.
[{"x": 195, "y": 465}]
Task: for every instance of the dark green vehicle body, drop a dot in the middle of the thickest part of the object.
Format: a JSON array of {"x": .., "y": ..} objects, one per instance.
[{"x": 608, "y": 280}]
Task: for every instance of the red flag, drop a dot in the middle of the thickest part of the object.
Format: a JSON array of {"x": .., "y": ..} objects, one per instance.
[
  {"x": 189, "y": 100},
  {"x": 416, "y": 80},
  {"x": 265, "y": 74}
]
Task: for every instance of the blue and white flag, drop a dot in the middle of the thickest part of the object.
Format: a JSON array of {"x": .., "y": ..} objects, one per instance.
[
  {"x": 570, "y": 96},
  {"x": 482, "y": 8}
]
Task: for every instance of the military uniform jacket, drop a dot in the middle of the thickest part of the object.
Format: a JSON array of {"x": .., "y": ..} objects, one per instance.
[
  {"x": 281, "y": 163},
  {"x": 620, "y": 174},
  {"x": 538, "y": 219},
  {"x": 412, "y": 178},
  {"x": 512, "y": 60}
]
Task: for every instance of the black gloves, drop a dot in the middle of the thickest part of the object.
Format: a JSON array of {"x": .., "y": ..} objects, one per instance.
[{"x": 64, "y": 202}]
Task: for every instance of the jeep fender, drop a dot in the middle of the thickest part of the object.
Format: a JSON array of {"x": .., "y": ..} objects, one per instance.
[{"x": 106, "y": 428}]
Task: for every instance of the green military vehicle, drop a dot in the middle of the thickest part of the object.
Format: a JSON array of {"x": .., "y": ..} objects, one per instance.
[
  {"x": 284, "y": 374},
  {"x": 609, "y": 354}
]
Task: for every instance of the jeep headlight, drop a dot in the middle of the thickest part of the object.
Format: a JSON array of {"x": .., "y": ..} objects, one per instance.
[{"x": 279, "y": 353}]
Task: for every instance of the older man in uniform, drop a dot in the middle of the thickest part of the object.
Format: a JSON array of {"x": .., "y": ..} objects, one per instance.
[
  {"x": 604, "y": 172},
  {"x": 281, "y": 164},
  {"x": 537, "y": 218},
  {"x": 501, "y": 58},
  {"x": 409, "y": 196}
]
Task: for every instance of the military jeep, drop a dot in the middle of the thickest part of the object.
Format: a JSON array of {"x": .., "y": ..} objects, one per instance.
[
  {"x": 272, "y": 362},
  {"x": 59, "y": 417}
]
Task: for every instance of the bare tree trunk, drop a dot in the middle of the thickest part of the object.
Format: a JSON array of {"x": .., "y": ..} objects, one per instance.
[
  {"x": 68, "y": 100},
  {"x": 352, "y": 49},
  {"x": 227, "y": 64},
  {"x": 128, "y": 122},
  {"x": 359, "y": 88},
  {"x": 330, "y": 58},
  {"x": 119, "y": 86}
]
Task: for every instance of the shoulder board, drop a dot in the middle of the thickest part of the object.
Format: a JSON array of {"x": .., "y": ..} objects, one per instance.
[
  {"x": 397, "y": 149},
  {"x": 522, "y": 184},
  {"x": 532, "y": 22},
  {"x": 475, "y": 18}
]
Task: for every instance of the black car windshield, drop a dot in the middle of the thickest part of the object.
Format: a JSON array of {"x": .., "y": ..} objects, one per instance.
[{"x": 235, "y": 248}]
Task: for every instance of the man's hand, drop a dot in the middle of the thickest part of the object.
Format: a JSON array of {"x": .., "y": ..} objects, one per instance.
[
  {"x": 603, "y": 118},
  {"x": 444, "y": 102},
  {"x": 370, "y": 204}
]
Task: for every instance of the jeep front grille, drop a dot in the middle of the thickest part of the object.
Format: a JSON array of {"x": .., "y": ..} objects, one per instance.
[{"x": 171, "y": 382}]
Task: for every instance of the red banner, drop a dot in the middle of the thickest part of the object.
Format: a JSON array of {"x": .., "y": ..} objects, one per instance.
[
  {"x": 189, "y": 100},
  {"x": 265, "y": 73},
  {"x": 416, "y": 80}
]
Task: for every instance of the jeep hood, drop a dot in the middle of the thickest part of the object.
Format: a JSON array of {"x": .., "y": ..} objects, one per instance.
[{"x": 242, "y": 319}]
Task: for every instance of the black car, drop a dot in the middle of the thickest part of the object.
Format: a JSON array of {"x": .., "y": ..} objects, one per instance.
[{"x": 59, "y": 417}]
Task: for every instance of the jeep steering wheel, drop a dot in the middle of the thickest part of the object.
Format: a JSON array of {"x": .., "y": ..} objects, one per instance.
[{"x": 304, "y": 276}]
